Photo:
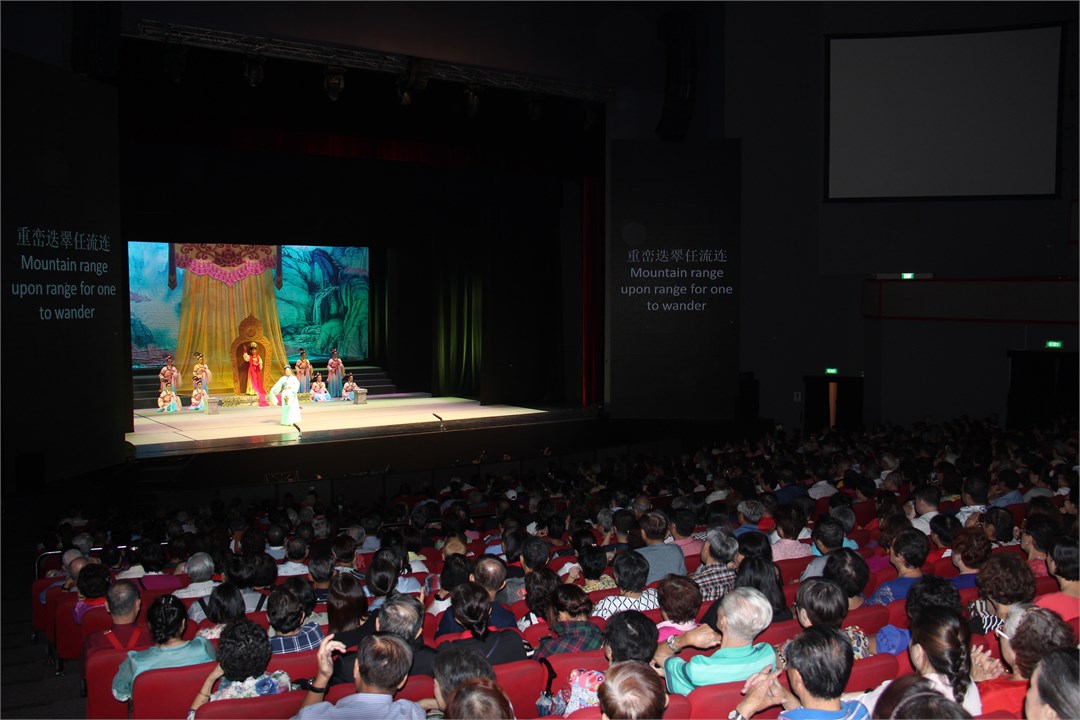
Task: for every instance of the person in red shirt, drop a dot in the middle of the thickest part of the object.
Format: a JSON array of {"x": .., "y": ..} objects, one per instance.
[
  {"x": 1029, "y": 633},
  {"x": 123, "y": 603},
  {"x": 1063, "y": 562}
]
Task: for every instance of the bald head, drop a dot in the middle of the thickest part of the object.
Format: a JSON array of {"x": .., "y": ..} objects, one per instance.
[{"x": 76, "y": 567}]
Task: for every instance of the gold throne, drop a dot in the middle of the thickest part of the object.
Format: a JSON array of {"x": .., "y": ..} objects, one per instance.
[{"x": 251, "y": 331}]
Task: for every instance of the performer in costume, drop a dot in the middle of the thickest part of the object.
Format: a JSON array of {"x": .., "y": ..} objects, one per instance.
[
  {"x": 201, "y": 371},
  {"x": 198, "y": 396},
  {"x": 335, "y": 371},
  {"x": 168, "y": 401},
  {"x": 255, "y": 367},
  {"x": 303, "y": 371},
  {"x": 170, "y": 373},
  {"x": 285, "y": 389},
  {"x": 318, "y": 390},
  {"x": 348, "y": 389}
]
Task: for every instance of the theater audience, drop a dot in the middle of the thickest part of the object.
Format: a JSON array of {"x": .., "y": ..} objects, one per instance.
[
  {"x": 243, "y": 657},
  {"x": 93, "y": 584},
  {"x": 913, "y": 696},
  {"x": 471, "y": 608},
  {"x": 823, "y": 602},
  {"x": 1029, "y": 633},
  {"x": 225, "y": 605},
  {"x": 971, "y": 551},
  {"x": 680, "y": 600},
  {"x": 450, "y": 669},
  {"x": 568, "y": 619},
  {"x": 403, "y": 615},
  {"x": 1054, "y": 691},
  {"x": 380, "y": 669},
  {"x": 716, "y": 574},
  {"x": 478, "y": 699},
  {"x": 632, "y": 691},
  {"x": 456, "y": 569},
  {"x": 631, "y": 571},
  {"x": 1035, "y": 538},
  {"x": 744, "y": 613},
  {"x": 907, "y": 554},
  {"x": 828, "y": 537},
  {"x": 663, "y": 558},
  {"x": 1005, "y": 580},
  {"x": 490, "y": 574},
  {"x": 591, "y": 565},
  {"x": 1063, "y": 562},
  {"x": 123, "y": 603},
  {"x": 848, "y": 569},
  {"x": 293, "y": 632},
  {"x": 200, "y": 570},
  {"x": 167, "y": 622},
  {"x": 790, "y": 521}
]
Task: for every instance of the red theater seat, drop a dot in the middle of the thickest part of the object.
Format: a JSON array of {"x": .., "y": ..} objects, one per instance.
[
  {"x": 870, "y": 672},
  {"x": 522, "y": 682},
  {"x": 792, "y": 569},
  {"x": 167, "y": 693},
  {"x": 778, "y": 632},
  {"x": 271, "y": 707},
  {"x": 868, "y": 618},
  {"x": 101, "y": 667},
  {"x": 564, "y": 663}
]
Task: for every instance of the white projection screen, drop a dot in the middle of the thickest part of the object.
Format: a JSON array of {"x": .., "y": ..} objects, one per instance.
[{"x": 971, "y": 114}]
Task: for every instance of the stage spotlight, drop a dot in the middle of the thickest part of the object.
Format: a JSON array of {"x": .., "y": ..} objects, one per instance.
[
  {"x": 175, "y": 60},
  {"x": 334, "y": 81},
  {"x": 472, "y": 100},
  {"x": 253, "y": 70}
]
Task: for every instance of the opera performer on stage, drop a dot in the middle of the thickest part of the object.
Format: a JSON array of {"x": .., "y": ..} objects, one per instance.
[
  {"x": 348, "y": 390},
  {"x": 170, "y": 373},
  {"x": 335, "y": 373},
  {"x": 285, "y": 389},
  {"x": 201, "y": 372},
  {"x": 318, "y": 389},
  {"x": 303, "y": 371},
  {"x": 255, "y": 372},
  {"x": 198, "y": 396},
  {"x": 167, "y": 400}
]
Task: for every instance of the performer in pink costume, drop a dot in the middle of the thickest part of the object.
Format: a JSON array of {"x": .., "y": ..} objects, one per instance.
[
  {"x": 335, "y": 374},
  {"x": 303, "y": 372},
  {"x": 255, "y": 368}
]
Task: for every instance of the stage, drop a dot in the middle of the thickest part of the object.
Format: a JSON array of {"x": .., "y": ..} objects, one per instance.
[{"x": 236, "y": 428}]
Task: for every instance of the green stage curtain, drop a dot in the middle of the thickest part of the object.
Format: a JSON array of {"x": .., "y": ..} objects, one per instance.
[{"x": 457, "y": 331}]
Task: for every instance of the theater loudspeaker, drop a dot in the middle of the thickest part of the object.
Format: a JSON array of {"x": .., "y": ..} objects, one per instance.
[{"x": 677, "y": 30}]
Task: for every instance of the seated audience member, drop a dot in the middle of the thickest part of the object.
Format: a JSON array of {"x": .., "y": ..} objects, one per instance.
[
  {"x": 631, "y": 571},
  {"x": 663, "y": 558},
  {"x": 680, "y": 600},
  {"x": 975, "y": 499},
  {"x": 1063, "y": 563},
  {"x": 1004, "y": 581},
  {"x": 265, "y": 576},
  {"x": 167, "y": 622},
  {"x": 632, "y": 691},
  {"x": 287, "y": 616},
  {"x": 1029, "y": 633},
  {"x": 200, "y": 569},
  {"x": 123, "y": 603},
  {"x": 940, "y": 652},
  {"x": 568, "y": 619},
  {"x": 93, "y": 585},
  {"x": 275, "y": 542},
  {"x": 823, "y": 602},
  {"x": 403, "y": 615},
  {"x": 763, "y": 576},
  {"x": 943, "y": 529},
  {"x": 923, "y": 507},
  {"x": 1054, "y": 692},
  {"x": 716, "y": 574},
  {"x": 828, "y": 537},
  {"x": 380, "y": 669},
  {"x": 913, "y": 696},
  {"x": 819, "y": 663},
  {"x": 471, "y": 607},
  {"x": 846, "y": 517},
  {"x": 789, "y": 523},
  {"x": 478, "y": 699},
  {"x": 744, "y": 613},
  {"x": 321, "y": 572},
  {"x": 591, "y": 565},
  {"x": 296, "y": 551},
  {"x": 303, "y": 590},
  {"x": 540, "y": 585},
  {"x": 243, "y": 657},
  {"x": 393, "y": 552},
  {"x": 629, "y": 636},
  {"x": 1035, "y": 539},
  {"x": 1007, "y": 492},
  {"x": 455, "y": 570},
  {"x": 928, "y": 591},
  {"x": 490, "y": 574},
  {"x": 971, "y": 550},
  {"x": 753, "y": 544},
  {"x": 617, "y": 539},
  {"x": 999, "y": 526},
  {"x": 682, "y": 532},
  {"x": 347, "y": 613},
  {"x": 152, "y": 564},
  {"x": 510, "y": 552},
  {"x": 240, "y": 572},
  {"x": 382, "y": 576},
  {"x": 225, "y": 605},
  {"x": 343, "y": 551},
  {"x": 450, "y": 669},
  {"x": 907, "y": 555},
  {"x": 848, "y": 569},
  {"x": 749, "y": 515}
]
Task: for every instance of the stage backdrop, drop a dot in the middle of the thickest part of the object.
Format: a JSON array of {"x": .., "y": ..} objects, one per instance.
[
  {"x": 673, "y": 287},
  {"x": 322, "y": 302}
]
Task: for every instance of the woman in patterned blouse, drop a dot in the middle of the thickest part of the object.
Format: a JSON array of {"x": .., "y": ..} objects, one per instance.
[{"x": 243, "y": 656}]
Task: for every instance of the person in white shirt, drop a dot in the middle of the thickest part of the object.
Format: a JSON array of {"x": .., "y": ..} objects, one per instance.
[
  {"x": 974, "y": 497},
  {"x": 200, "y": 568},
  {"x": 296, "y": 551},
  {"x": 923, "y": 507}
]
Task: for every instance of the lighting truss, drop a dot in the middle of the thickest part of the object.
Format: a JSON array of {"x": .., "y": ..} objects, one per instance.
[{"x": 362, "y": 59}]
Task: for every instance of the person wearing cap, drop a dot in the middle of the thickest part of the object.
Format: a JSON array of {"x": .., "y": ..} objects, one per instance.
[{"x": 284, "y": 393}]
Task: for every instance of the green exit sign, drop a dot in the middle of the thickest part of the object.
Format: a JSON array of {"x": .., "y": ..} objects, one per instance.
[
  {"x": 832, "y": 371},
  {"x": 1053, "y": 344},
  {"x": 907, "y": 276}
]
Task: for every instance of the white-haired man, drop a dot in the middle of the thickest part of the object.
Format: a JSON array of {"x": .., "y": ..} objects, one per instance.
[{"x": 200, "y": 568}]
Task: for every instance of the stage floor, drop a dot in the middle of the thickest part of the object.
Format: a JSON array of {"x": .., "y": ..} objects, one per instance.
[{"x": 161, "y": 434}]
